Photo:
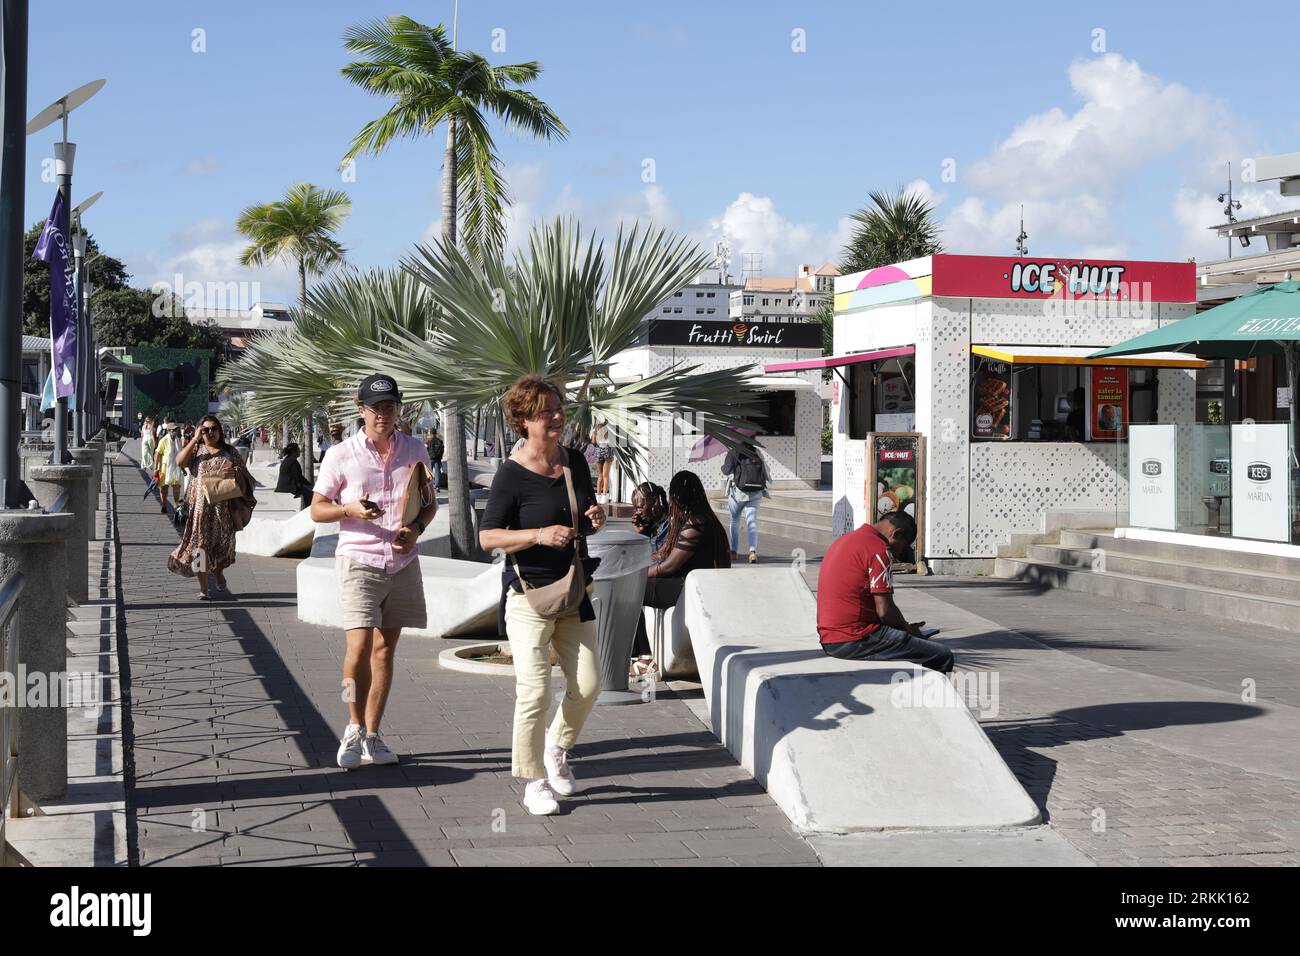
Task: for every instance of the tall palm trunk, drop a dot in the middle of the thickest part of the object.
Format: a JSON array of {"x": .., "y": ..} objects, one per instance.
[
  {"x": 308, "y": 456},
  {"x": 460, "y": 517}
]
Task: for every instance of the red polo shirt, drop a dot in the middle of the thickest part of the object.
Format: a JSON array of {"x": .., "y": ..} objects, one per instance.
[{"x": 856, "y": 567}]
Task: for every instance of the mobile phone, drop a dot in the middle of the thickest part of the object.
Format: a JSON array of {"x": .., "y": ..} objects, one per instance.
[
  {"x": 369, "y": 505},
  {"x": 930, "y": 631}
]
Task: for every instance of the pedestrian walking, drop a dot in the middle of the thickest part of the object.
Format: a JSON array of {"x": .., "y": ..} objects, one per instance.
[
  {"x": 148, "y": 444},
  {"x": 539, "y": 510},
  {"x": 746, "y": 486},
  {"x": 435, "y": 447},
  {"x": 604, "y": 460},
  {"x": 378, "y": 486},
  {"x": 218, "y": 502},
  {"x": 165, "y": 467}
]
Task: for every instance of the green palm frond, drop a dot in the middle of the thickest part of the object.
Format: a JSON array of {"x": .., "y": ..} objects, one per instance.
[
  {"x": 320, "y": 360},
  {"x": 560, "y": 312},
  {"x": 430, "y": 83},
  {"x": 297, "y": 229},
  {"x": 893, "y": 228}
]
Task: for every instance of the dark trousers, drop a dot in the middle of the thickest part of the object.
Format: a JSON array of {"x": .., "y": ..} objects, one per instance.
[{"x": 890, "y": 644}]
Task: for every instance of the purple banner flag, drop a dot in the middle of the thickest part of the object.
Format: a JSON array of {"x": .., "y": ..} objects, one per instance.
[{"x": 52, "y": 249}]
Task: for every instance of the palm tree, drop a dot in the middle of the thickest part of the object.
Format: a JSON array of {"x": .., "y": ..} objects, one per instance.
[
  {"x": 560, "y": 311},
  {"x": 299, "y": 229},
  {"x": 430, "y": 83},
  {"x": 318, "y": 362},
  {"x": 893, "y": 228}
]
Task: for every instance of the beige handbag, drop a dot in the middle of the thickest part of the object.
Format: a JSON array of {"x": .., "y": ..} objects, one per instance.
[
  {"x": 555, "y": 600},
  {"x": 220, "y": 489}
]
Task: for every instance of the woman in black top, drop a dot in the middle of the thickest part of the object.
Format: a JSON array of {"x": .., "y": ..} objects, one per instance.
[
  {"x": 696, "y": 539},
  {"x": 528, "y": 517},
  {"x": 291, "y": 480}
]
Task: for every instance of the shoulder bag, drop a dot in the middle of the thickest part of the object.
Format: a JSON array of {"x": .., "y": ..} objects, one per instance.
[{"x": 552, "y": 601}]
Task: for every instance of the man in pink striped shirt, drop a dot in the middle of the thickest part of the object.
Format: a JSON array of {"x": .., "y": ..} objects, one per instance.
[{"x": 362, "y": 485}]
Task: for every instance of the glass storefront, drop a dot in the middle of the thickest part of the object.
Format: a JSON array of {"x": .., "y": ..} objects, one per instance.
[{"x": 1234, "y": 480}]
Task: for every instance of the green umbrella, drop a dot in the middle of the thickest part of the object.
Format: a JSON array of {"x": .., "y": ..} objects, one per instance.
[{"x": 1267, "y": 321}]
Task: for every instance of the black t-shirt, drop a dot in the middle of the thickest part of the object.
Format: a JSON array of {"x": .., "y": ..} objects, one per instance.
[{"x": 521, "y": 498}]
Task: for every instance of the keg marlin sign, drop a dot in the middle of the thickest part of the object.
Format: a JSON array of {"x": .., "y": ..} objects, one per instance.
[
  {"x": 1152, "y": 488},
  {"x": 1261, "y": 503}
]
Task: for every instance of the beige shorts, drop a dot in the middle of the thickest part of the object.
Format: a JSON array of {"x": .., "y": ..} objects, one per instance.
[{"x": 369, "y": 597}]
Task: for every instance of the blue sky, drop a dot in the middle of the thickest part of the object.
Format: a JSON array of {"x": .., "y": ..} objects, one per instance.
[{"x": 1116, "y": 151}]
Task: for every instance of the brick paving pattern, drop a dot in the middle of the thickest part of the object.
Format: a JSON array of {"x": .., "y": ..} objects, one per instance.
[{"x": 1157, "y": 806}]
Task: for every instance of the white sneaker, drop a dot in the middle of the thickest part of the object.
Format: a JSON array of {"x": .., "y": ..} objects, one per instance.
[
  {"x": 558, "y": 774},
  {"x": 539, "y": 799},
  {"x": 350, "y": 749},
  {"x": 374, "y": 750}
]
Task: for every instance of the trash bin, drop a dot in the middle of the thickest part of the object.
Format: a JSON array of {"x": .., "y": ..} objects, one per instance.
[{"x": 618, "y": 588}]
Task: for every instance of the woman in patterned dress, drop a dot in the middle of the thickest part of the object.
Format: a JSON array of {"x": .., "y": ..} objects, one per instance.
[{"x": 208, "y": 544}]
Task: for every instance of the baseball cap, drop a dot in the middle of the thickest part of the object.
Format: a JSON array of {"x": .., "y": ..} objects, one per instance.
[{"x": 378, "y": 388}]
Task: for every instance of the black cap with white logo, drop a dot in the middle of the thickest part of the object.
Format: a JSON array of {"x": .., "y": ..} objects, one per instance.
[{"x": 378, "y": 388}]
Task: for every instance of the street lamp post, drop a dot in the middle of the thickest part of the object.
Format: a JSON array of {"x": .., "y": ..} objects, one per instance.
[
  {"x": 65, "y": 155},
  {"x": 13, "y": 158}
]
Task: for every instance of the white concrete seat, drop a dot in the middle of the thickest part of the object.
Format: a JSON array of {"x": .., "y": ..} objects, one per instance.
[
  {"x": 460, "y": 597},
  {"x": 670, "y": 642},
  {"x": 841, "y": 746}
]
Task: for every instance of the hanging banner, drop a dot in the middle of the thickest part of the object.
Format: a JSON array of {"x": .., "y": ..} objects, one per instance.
[
  {"x": 991, "y": 403},
  {"x": 1152, "y": 476},
  {"x": 1107, "y": 403},
  {"x": 1261, "y": 500}
]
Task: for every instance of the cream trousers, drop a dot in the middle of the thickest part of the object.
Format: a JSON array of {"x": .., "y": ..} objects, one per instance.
[{"x": 575, "y": 646}]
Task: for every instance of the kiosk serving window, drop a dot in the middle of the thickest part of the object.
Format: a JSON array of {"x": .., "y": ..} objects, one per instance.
[
  {"x": 881, "y": 396},
  {"x": 1059, "y": 401}
]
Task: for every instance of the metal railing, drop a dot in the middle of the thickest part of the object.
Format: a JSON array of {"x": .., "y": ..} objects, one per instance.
[{"x": 10, "y": 590}]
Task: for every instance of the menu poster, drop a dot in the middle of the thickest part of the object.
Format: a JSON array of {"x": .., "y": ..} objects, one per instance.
[
  {"x": 895, "y": 479},
  {"x": 1107, "y": 403},
  {"x": 991, "y": 403},
  {"x": 1152, "y": 484},
  {"x": 1261, "y": 501}
]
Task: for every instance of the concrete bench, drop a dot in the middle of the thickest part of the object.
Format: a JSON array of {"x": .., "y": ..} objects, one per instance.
[
  {"x": 461, "y": 597},
  {"x": 672, "y": 649},
  {"x": 841, "y": 746}
]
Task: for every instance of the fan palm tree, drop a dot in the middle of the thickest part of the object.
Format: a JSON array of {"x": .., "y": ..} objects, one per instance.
[
  {"x": 893, "y": 228},
  {"x": 430, "y": 82},
  {"x": 298, "y": 229},
  {"x": 318, "y": 362},
  {"x": 561, "y": 311}
]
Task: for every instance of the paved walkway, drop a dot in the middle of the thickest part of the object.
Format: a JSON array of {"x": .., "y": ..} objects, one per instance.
[
  {"x": 1147, "y": 736},
  {"x": 235, "y": 716}
]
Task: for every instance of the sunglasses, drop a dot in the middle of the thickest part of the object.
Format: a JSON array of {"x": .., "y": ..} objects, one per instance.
[{"x": 210, "y": 430}]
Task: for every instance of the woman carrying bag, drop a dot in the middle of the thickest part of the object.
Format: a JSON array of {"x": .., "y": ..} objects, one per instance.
[
  {"x": 219, "y": 501},
  {"x": 539, "y": 509}
]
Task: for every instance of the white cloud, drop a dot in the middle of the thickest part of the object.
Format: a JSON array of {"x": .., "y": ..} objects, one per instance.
[
  {"x": 1074, "y": 171},
  {"x": 201, "y": 263},
  {"x": 752, "y": 224},
  {"x": 201, "y": 166}
]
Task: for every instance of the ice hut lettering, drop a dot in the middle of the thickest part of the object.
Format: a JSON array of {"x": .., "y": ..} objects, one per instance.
[{"x": 1043, "y": 278}]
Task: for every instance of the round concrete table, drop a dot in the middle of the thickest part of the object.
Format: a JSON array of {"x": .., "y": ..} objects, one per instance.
[{"x": 618, "y": 589}]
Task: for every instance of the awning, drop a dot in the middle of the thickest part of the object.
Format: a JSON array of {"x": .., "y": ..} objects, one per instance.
[
  {"x": 779, "y": 383},
  {"x": 109, "y": 362},
  {"x": 834, "y": 361},
  {"x": 1067, "y": 355}
]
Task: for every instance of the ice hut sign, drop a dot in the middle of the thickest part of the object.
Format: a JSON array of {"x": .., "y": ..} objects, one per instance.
[{"x": 1000, "y": 277}]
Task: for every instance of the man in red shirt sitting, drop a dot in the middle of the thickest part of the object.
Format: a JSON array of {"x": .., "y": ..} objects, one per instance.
[{"x": 856, "y": 615}]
